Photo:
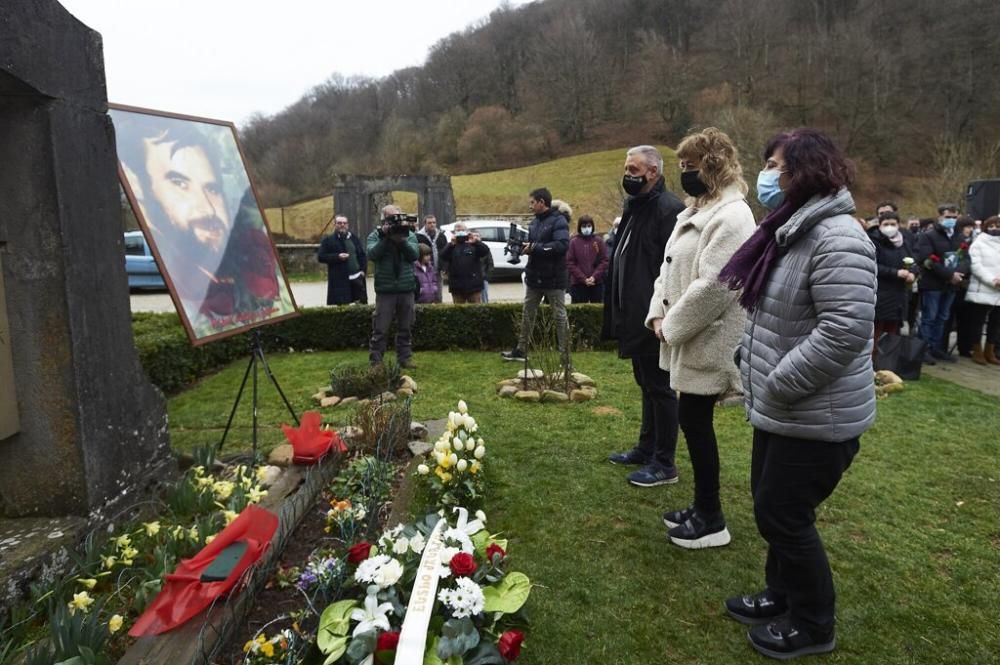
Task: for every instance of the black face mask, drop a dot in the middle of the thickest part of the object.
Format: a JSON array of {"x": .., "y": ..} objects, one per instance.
[
  {"x": 691, "y": 183},
  {"x": 993, "y": 232},
  {"x": 633, "y": 184}
]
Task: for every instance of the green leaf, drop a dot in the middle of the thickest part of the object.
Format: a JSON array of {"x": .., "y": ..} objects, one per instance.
[
  {"x": 362, "y": 646},
  {"x": 485, "y": 654},
  {"x": 334, "y": 622},
  {"x": 509, "y": 595},
  {"x": 334, "y": 648}
]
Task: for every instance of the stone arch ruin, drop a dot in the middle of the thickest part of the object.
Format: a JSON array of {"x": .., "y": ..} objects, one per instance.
[{"x": 354, "y": 196}]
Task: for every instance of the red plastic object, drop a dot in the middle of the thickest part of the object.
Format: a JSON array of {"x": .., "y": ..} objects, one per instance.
[
  {"x": 309, "y": 442},
  {"x": 184, "y": 594}
]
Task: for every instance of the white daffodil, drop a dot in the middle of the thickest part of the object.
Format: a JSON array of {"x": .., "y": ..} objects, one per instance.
[
  {"x": 371, "y": 616},
  {"x": 463, "y": 408},
  {"x": 470, "y": 445},
  {"x": 454, "y": 459},
  {"x": 462, "y": 466},
  {"x": 480, "y": 452}
]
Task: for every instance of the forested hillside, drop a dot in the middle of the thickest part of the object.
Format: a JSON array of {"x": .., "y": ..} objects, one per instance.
[{"x": 909, "y": 87}]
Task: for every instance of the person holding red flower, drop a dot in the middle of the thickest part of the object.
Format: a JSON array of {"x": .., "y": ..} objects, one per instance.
[{"x": 945, "y": 266}]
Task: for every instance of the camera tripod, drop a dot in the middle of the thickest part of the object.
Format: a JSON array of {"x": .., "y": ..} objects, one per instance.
[{"x": 256, "y": 357}]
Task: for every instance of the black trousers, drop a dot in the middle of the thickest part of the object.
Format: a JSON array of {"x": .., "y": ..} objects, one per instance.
[
  {"x": 789, "y": 478},
  {"x": 696, "y": 414},
  {"x": 580, "y": 293},
  {"x": 658, "y": 432},
  {"x": 982, "y": 314}
]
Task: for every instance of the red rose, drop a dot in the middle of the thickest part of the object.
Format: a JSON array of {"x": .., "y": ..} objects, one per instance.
[
  {"x": 935, "y": 258},
  {"x": 463, "y": 564},
  {"x": 359, "y": 552},
  {"x": 964, "y": 246},
  {"x": 510, "y": 644},
  {"x": 494, "y": 549},
  {"x": 386, "y": 642}
]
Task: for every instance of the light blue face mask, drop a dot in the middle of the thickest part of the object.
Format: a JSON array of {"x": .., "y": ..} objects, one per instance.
[
  {"x": 768, "y": 191},
  {"x": 948, "y": 222}
]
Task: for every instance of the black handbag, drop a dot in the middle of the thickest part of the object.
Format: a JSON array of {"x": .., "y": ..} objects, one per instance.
[{"x": 901, "y": 355}]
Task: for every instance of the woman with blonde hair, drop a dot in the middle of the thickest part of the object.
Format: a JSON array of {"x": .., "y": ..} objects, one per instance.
[{"x": 698, "y": 319}]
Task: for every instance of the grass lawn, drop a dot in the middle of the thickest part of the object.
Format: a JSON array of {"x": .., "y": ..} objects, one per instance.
[{"x": 912, "y": 532}]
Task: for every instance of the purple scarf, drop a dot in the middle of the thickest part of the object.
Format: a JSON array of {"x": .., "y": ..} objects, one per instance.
[{"x": 751, "y": 265}]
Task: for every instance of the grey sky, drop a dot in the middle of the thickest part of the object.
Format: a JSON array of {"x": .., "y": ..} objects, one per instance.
[{"x": 227, "y": 58}]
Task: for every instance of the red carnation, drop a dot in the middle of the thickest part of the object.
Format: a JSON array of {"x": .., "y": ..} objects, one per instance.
[
  {"x": 463, "y": 564},
  {"x": 359, "y": 552},
  {"x": 386, "y": 642},
  {"x": 494, "y": 549},
  {"x": 510, "y": 644}
]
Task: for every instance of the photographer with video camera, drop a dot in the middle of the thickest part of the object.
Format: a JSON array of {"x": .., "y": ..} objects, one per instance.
[
  {"x": 392, "y": 248},
  {"x": 545, "y": 274},
  {"x": 464, "y": 258}
]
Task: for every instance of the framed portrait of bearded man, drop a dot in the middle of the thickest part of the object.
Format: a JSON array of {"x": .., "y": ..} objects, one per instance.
[{"x": 187, "y": 183}]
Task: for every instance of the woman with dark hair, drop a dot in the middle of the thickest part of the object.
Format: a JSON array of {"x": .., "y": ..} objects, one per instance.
[
  {"x": 894, "y": 275},
  {"x": 698, "y": 321},
  {"x": 808, "y": 280},
  {"x": 587, "y": 262}
]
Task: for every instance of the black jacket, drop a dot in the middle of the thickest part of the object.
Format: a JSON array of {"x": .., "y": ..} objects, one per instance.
[
  {"x": 647, "y": 222},
  {"x": 893, "y": 291},
  {"x": 936, "y": 275},
  {"x": 437, "y": 245},
  {"x": 465, "y": 266},
  {"x": 548, "y": 234},
  {"x": 338, "y": 284}
]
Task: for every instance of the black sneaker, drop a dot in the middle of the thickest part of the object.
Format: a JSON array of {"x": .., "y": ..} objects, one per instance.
[
  {"x": 762, "y": 607},
  {"x": 653, "y": 475},
  {"x": 699, "y": 532},
  {"x": 515, "y": 355},
  {"x": 629, "y": 457},
  {"x": 677, "y": 517},
  {"x": 782, "y": 640},
  {"x": 929, "y": 359}
]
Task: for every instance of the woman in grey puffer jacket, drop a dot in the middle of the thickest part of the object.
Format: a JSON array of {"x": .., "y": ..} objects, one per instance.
[{"x": 808, "y": 276}]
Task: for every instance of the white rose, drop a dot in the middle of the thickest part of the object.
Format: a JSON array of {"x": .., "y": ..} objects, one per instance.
[
  {"x": 480, "y": 452},
  {"x": 423, "y": 469},
  {"x": 462, "y": 407},
  {"x": 462, "y": 465},
  {"x": 389, "y": 573},
  {"x": 470, "y": 445},
  {"x": 417, "y": 543},
  {"x": 401, "y": 545}
]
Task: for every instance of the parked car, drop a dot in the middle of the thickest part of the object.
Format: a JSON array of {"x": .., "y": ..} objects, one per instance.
[
  {"x": 143, "y": 273},
  {"x": 494, "y": 234}
]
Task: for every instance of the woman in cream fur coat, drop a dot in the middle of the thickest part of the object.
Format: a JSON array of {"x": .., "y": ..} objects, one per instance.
[{"x": 698, "y": 320}]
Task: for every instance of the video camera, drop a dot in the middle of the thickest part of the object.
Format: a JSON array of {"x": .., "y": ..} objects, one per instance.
[
  {"x": 399, "y": 223},
  {"x": 515, "y": 244}
]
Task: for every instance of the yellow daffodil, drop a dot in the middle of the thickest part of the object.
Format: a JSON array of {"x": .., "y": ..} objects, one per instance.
[
  {"x": 193, "y": 532},
  {"x": 223, "y": 489},
  {"x": 267, "y": 649},
  {"x": 261, "y": 473},
  {"x": 108, "y": 562},
  {"x": 230, "y": 516},
  {"x": 115, "y": 624},
  {"x": 88, "y": 583},
  {"x": 199, "y": 471},
  {"x": 445, "y": 461},
  {"x": 206, "y": 481},
  {"x": 152, "y": 528},
  {"x": 474, "y": 467},
  {"x": 256, "y": 494},
  {"x": 209, "y": 539},
  {"x": 81, "y": 601},
  {"x": 123, "y": 541}
]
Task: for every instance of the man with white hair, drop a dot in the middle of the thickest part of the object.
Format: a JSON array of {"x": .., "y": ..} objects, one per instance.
[
  {"x": 611, "y": 237},
  {"x": 648, "y": 219},
  {"x": 392, "y": 248}
]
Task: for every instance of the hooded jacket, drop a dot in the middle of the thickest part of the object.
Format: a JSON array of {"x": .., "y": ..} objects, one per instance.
[
  {"x": 702, "y": 320},
  {"x": 805, "y": 357},
  {"x": 647, "y": 222},
  {"x": 985, "y": 256}
]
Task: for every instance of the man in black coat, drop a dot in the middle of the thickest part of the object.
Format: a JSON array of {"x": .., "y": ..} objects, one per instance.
[
  {"x": 464, "y": 257},
  {"x": 346, "y": 262},
  {"x": 648, "y": 219},
  {"x": 545, "y": 275},
  {"x": 945, "y": 264}
]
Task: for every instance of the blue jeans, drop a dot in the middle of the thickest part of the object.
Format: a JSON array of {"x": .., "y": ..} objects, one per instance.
[{"x": 935, "y": 308}]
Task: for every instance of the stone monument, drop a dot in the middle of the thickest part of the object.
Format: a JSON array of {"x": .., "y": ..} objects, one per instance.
[
  {"x": 356, "y": 197},
  {"x": 79, "y": 421}
]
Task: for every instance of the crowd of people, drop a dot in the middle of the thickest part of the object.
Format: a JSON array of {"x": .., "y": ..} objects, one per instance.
[
  {"x": 945, "y": 271},
  {"x": 703, "y": 301}
]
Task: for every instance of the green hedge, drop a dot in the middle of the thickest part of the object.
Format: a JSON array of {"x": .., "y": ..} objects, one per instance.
[{"x": 173, "y": 364}]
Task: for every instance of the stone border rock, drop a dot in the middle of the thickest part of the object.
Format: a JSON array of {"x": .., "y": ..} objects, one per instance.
[
  {"x": 528, "y": 387},
  {"x": 325, "y": 398}
]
